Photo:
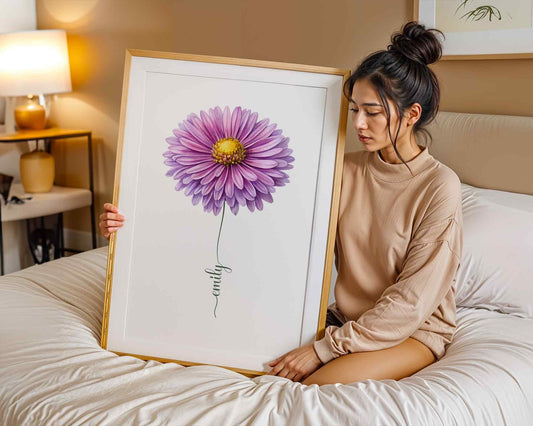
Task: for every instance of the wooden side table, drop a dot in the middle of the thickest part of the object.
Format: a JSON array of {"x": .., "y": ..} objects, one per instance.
[{"x": 58, "y": 200}]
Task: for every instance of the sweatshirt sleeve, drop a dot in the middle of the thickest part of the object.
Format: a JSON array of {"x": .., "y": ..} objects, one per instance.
[{"x": 428, "y": 272}]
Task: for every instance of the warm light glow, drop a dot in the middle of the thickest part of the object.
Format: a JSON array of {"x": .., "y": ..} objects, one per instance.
[
  {"x": 69, "y": 11},
  {"x": 34, "y": 62}
]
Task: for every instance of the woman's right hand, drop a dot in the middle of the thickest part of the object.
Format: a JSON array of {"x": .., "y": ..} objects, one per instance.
[{"x": 110, "y": 220}]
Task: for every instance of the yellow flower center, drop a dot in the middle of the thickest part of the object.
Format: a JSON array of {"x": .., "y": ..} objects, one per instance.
[{"x": 228, "y": 151}]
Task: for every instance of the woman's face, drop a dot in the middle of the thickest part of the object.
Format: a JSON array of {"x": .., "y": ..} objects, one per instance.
[{"x": 370, "y": 119}]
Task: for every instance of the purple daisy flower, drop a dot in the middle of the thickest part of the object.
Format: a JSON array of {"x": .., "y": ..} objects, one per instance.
[{"x": 228, "y": 157}]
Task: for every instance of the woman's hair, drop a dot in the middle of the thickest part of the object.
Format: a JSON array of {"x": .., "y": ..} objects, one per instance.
[{"x": 401, "y": 74}]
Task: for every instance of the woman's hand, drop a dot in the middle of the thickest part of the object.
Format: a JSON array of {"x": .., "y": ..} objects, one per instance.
[
  {"x": 296, "y": 364},
  {"x": 110, "y": 220}
]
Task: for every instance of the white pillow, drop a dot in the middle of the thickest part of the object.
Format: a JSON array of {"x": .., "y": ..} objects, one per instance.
[{"x": 496, "y": 270}]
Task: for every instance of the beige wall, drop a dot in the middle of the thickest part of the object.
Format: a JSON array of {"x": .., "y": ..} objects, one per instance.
[{"x": 332, "y": 33}]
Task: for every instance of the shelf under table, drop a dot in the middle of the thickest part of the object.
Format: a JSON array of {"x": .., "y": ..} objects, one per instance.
[{"x": 59, "y": 199}]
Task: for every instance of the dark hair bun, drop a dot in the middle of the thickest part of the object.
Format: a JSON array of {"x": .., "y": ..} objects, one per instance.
[{"x": 417, "y": 43}]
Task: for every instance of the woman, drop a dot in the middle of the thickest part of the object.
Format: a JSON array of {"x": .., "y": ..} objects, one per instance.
[{"x": 399, "y": 236}]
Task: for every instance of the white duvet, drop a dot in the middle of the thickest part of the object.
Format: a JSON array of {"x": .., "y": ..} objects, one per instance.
[{"x": 53, "y": 371}]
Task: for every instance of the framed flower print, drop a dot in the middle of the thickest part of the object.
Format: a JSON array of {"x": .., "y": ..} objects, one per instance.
[{"x": 228, "y": 172}]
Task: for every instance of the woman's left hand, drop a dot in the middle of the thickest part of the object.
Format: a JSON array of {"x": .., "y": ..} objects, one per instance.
[{"x": 296, "y": 364}]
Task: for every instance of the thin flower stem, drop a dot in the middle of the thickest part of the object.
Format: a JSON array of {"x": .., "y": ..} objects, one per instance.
[
  {"x": 216, "y": 289},
  {"x": 220, "y": 229}
]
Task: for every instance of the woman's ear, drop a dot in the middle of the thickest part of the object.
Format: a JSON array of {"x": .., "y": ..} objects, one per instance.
[{"x": 413, "y": 114}]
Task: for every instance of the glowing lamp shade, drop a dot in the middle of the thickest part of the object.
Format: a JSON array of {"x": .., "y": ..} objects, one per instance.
[{"x": 34, "y": 63}]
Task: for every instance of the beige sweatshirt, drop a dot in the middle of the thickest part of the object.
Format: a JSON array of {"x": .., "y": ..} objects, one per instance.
[{"x": 398, "y": 248}]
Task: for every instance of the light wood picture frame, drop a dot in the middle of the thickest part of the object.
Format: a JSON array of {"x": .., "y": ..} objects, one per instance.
[
  {"x": 228, "y": 171},
  {"x": 479, "y": 30}
]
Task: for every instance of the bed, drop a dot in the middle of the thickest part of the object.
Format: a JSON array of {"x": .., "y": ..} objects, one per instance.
[{"x": 54, "y": 372}]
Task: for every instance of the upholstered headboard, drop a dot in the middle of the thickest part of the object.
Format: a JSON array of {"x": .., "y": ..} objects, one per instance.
[{"x": 488, "y": 151}]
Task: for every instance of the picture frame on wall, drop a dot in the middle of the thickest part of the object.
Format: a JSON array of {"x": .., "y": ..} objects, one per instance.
[
  {"x": 476, "y": 29},
  {"x": 228, "y": 172}
]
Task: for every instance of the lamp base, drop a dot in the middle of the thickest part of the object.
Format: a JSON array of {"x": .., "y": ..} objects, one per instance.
[
  {"x": 37, "y": 170},
  {"x": 30, "y": 115}
]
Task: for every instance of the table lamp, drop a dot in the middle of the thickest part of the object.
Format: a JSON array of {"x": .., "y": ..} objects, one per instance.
[{"x": 32, "y": 64}]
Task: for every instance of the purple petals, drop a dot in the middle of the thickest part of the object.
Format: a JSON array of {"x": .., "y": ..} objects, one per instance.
[
  {"x": 187, "y": 180},
  {"x": 230, "y": 201},
  {"x": 264, "y": 178},
  {"x": 208, "y": 188},
  {"x": 171, "y": 163},
  {"x": 237, "y": 177},
  {"x": 172, "y": 140},
  {"x": 207, "y": 199},
  {"x": 266, "y": 154},
  {"x": 201, "y": 167},
  {"x": 261, "y": 187},
  {"x": 281, "y": 182},
  {"x": 248, "y": 127},
  {"x": 249, "y": 189},
  {"x": 235, "y": 208},
  {"x": 217, "y": 171},
  {"x": 210, "y": 171},
  {"x": 195, "y": 146},
  {"x": 226, "y": 122},
  {"x": 240, "y": 127},
  {"x": 221, "y": 180},
  {"x": 267, "y": 197},
  {"x": 202, "y": 174},
  {"x": 251, "y": 205},
  {"x": 276, "y": 173},
  {"x": 197, "y": 134},
  {"x": 256, "y": 138},
  {"x": 240, "y": 198},
  {"x": 229, "y": 188},
  {"x": 258, "y": 128},
  {"x": 179, "y": 186},
  {"x": 209, "y": 126},
  {"x": 235, "y": 121},
  {"x": 265, "y": 145},
  {"x": 172, "y": 171},
  {"x": 190, "y": 160},
  {"x": 246, "y": 172},
  {"x": 196, "y": 199},
  {"x": 261, "y": 163},
  {"x": 282, "y": 164},
  {"x": 190, "y": 189}
]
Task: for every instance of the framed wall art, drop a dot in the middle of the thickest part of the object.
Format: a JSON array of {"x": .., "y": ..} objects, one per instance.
[
  {"x": 479, "y": 29},
  {"x": 228, "y": 172}
]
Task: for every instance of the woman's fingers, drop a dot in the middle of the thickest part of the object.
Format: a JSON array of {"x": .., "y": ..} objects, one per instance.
[
  {"x": 110, "y": 220},
  {"x": 113, "y": 223},
  {"x": 285, "y": 373},
  {"x": 273, "y": 363},
  {"x": 115, "y": 216},
  {"x": 297, "y": 364},
  {"x": 110, "y": 207},
  {"x": 280, "y": 367}
]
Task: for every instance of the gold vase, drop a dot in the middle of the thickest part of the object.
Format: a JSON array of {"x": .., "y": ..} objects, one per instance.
[
  {"x": 37, "y": 170},
  {"x": 30, "y": 115}
]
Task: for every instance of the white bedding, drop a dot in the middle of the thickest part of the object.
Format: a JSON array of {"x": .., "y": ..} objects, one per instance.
[{"x": 53, "y": 371}]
